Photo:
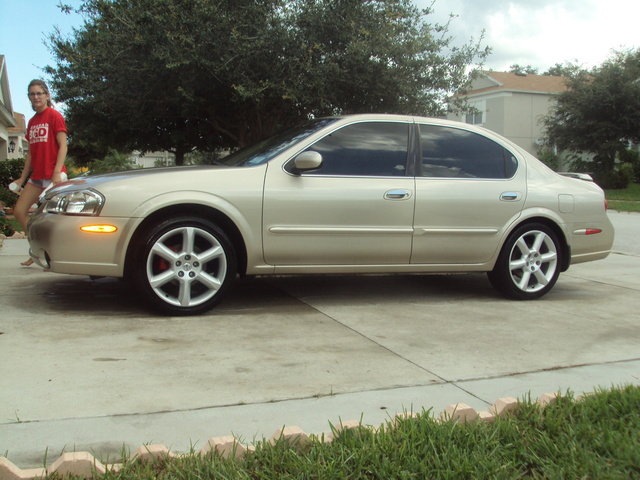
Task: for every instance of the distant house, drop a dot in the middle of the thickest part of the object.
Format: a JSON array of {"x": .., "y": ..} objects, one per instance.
[
  {"x": 152, "y": 159},
  {"x": 18, "y": 143},
  {"x": 513, "y": 105},
  {"x": 7, "y": 120}
]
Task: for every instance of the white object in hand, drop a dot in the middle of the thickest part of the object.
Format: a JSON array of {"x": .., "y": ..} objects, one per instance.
[{"x": 15, "y": 188}]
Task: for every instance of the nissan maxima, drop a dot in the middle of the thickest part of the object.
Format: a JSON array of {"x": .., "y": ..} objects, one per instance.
[{"x": 356, "y": 194}]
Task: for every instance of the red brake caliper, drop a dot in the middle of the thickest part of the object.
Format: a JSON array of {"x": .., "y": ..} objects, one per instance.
[{"x": 160, "y": 264}]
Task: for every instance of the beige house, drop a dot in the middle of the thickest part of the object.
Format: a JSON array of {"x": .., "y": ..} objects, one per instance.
[
  {"x": 18, "y": 143},
  {"x": 152, "y": 159},
  {"x": 7, "y": 119},
  {"x": 513, "y": 105}
]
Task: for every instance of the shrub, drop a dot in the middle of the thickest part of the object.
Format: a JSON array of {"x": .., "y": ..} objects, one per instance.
[
  {"x": 10, "y": 170},
  {"x": 113, "y": 162},
  {"x": 618, "y": 179},
  {"x": 549, "y": 158},
  {"x": 632, "y": 157},
  {"x": 5, "y": 227}
]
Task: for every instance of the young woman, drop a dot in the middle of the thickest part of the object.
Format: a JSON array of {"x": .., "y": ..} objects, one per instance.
[{"x": 47, "y": 134}]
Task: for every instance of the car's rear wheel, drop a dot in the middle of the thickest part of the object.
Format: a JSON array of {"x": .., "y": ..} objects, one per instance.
[
  {"x": 529, "y": 263},
  {"x": 184, "y": 266}
]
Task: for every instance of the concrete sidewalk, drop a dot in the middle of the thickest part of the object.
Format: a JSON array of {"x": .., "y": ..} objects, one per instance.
[{"x": 85, "y": 368}]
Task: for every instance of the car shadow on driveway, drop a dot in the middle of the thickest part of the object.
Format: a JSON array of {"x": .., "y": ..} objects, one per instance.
[
  {"x": 109, "y": 296},
  {"x": 81, "y": 295}
]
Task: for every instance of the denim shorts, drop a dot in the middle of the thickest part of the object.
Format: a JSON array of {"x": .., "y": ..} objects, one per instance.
[
  {"x": 40, "y": 183},
  {"x": 43, "y": 184}
]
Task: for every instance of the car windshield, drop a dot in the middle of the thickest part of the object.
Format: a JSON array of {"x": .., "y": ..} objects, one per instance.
[{"x": 265, "y": 150}]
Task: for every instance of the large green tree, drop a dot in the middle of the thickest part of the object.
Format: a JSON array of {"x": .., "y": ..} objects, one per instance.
[
  {"x": 599, "y": 114},
  {"x": 523, "y": 70},
  {"x": 567, "y": 69},
  {"x": 181, "y": 75}
]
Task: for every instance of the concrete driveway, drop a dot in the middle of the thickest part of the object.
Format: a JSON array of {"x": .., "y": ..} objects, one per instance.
[{"x": 86, "y": 368}]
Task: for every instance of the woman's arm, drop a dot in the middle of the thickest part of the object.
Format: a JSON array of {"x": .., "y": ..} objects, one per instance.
[{"x": 61, "y": 138}]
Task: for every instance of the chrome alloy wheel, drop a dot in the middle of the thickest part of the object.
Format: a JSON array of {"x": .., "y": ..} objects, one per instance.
[
  {"x": 533, "y": 261},
  {"x": 186, "y": 266}
]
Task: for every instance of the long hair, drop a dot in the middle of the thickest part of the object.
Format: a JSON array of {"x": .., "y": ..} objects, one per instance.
[{"x": 40, "y": 83}]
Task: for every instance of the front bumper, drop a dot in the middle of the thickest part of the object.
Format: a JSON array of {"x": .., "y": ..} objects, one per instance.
[{"x": 57, "y": 243}]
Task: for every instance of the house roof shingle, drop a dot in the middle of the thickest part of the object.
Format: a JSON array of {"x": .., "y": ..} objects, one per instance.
[
  {"x": 21, "y": 127},
  {"x": 506, "y": 81}
]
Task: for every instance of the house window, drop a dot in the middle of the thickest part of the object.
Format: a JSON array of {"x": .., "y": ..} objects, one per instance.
[{"x": 477, "y": 117}]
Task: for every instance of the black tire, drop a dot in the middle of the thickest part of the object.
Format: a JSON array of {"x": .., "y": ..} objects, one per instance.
[
  {"x": 529, "y": 263},
  {"x": 183, "y": 266}
]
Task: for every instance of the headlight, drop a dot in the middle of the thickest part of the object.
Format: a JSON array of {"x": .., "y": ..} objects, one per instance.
[{"x": 79, "y": 202}]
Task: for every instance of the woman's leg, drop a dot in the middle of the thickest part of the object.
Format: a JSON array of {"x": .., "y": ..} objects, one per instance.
[{"x": 28, "y": 197}]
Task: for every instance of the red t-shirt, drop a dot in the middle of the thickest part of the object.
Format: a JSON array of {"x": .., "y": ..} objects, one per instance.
[{"x": 43, "y": 147}]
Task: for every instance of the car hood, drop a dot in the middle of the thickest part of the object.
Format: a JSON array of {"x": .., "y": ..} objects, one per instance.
[
  {"x": 94, "y": 181},
  {"x": 125, "y": 192},
  {"x": 163, "y": 178}
]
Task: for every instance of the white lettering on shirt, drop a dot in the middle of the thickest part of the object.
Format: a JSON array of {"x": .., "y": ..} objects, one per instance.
[{"x": 39, "y": 133}]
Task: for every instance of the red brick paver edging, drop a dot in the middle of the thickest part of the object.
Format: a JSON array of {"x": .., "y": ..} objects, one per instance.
[{"x": 85, "y": 465}]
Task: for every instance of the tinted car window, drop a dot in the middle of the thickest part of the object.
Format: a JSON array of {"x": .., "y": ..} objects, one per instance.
[
  {"x": 364, "y": 149},
  {"x": 452, "y": 152}
]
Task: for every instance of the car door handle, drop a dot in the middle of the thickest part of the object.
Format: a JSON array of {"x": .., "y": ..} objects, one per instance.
[
  {"x": 510, "y": 196},
  {"x": 397, "y": 194}
]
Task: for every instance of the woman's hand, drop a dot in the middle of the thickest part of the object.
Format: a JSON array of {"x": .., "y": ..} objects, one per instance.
[
  {"x": 21, "y": 181},
  {"x": 56, "y": 178}
]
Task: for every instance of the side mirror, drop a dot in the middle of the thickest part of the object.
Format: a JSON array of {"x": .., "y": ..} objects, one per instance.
[{"x": 308, "y": 160}]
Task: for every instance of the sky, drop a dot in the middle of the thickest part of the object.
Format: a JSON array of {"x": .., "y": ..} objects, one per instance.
[{"x": 539, "y": 33}]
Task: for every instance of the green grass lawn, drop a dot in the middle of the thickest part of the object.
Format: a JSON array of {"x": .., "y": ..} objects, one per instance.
[
  {"x": 597, "y": 437},
  {"x": 12, "y": 222},
  {"x": 626, "y": 200}
]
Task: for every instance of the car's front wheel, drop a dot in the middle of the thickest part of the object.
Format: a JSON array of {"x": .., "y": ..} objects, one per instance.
[
  {"x": 184, "y": 265},
  {"x": 529, "y": 263}
]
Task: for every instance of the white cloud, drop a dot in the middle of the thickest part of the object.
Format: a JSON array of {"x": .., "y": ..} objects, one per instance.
[{"x": 544, "y": 32}]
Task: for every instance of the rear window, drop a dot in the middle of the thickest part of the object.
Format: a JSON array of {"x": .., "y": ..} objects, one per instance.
[{"x": 455, "y": 153}]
